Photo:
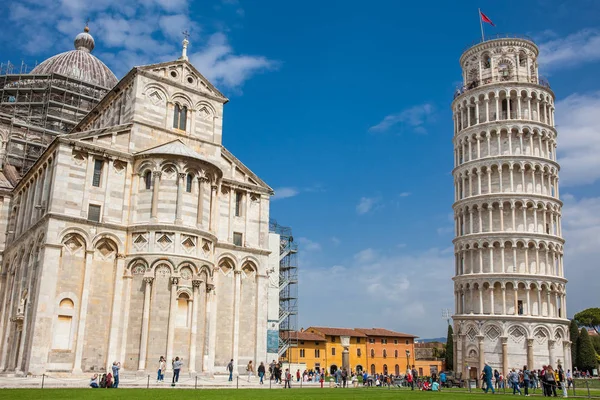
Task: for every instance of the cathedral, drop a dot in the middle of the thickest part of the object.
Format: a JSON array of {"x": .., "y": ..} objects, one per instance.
[{"x": 136, "y": 234}]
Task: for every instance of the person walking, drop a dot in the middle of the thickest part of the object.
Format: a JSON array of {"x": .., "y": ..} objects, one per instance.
[
  {"x": 261, "y": 372},
  {"x": 344, "y": 377},
  {"x": 250, "y": 370},
  {"x": 487, "y": 376},
  {"x": 115, "y": 369},
  {"x": 230, "y": 369},
  {"x": 160, "y": 374},
  {"x": 288, "y": 379},
  {"x": 415, "y": 377},
  {"x": 550, "y": 381},
  {"x": 177, "y": 364},
  {"x": 526, "y": 379},
  {"x": 513, "y": 379},
  {"x": 562, "y": 381}
]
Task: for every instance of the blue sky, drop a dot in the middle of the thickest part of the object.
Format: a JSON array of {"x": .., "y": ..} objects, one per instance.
[{"x": 344, "y": 108}]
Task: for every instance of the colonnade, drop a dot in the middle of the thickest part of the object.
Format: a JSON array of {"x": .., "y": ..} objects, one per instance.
[
  {"x": 506, "y": 178},
  {"x": 498, "y": 106},
  {"x": 501, "y": 258},
  {"x": 508, "y": 216},
  {"x": 504, "y": 142},
  {"x": 502, "y": 299}
]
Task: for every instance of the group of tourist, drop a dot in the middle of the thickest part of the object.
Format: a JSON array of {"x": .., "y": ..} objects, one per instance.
[
  {"x": 548, "y": 378},
  {"x": 109, "y": 380}
]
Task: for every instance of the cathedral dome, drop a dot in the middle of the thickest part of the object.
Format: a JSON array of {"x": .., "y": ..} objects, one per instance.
[{"x": 79, "y": 63}]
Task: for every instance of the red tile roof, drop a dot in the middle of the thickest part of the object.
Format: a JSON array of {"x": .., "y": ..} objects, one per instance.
[
  {"x": 307, "y": 336},
  {"x": 383, "y": 332},
  {"x": 336, "y": 331}
]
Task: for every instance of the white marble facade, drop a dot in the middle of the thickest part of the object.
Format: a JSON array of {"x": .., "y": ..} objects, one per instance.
[
  {"x": 510, "y": 298},
  {"x": 137, "y": 236}
]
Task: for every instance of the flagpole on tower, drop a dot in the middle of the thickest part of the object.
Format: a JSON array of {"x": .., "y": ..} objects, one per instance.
[{"x": 481, "y": 25}]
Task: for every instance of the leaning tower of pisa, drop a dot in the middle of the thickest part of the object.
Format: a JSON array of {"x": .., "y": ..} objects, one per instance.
[{"x": 510, "y": 299}]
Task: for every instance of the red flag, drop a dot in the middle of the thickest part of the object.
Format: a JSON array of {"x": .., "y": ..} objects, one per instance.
[{"x": 485, "y": 18}]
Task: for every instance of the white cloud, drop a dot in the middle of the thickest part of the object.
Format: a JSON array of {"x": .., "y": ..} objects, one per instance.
[
  {"x": 365, "y": 255},
  {"x": 308, "y": 245},
  {"x": 284, "y": 193},
  {"x": 572, "y": 50},
  {"x": 366, "y": 204},
  {"x": 336, "y": 241},
  {"x": 404, "y": 194},
  {"x": 444, "y": 230},
  {"x": 578, "y": 122},
  {"x": 397, "y": 284},
  {"x": 218, "y": 63},
  {"x": 138, "y": 31},
  {"x": 414, "y": 118},
  {"x": 581, "y": 230}
]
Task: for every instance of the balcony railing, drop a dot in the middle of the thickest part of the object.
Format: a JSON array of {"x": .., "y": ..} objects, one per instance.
[
  {"x": 487, "y": 81},
  {"x": 498, "y": 36}
]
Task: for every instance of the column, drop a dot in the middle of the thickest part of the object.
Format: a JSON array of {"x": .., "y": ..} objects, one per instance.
[
  {"x": 476, "y": 114},
  {"x": 539, "y": 296},
  {"x": 490, "y": 213},
  {"x": 504, "y": 355},
  {"x": 117, "y": 308},
  {"x": 516, "y": 300},
  {"x": 107, "y": 189},
  {"x": 200, "y": 210},
  {"x": 556, "y": 303},
  {"x": 497, "y": 108},
  {"x": 503, "y": 300},
  {"x": 487, "y": 109},
  {"x": 155, "y": 189},
  {"x": 492, "y": 258},
  {"x": 528, "y": 309},
  {"x": 87, "y": 277},
  {"x": 527, "y": 268},
  {"x": 500, "y": 182},
  {"x": 481, "y": 355},
  {"x": 502, "y": 257},
  {"x": 550, "y": 312},
  {"x": 211, "y": 326},
  {"x": 518, "y": 106},
  {"x": 564, "y": 305},
  {"x": 214, "y": 197},
  {"x": 179, "y": 207},
  {"x": 515, "y": 263},
  {"x": 479, "y": 181},
  {"x": 194, "y": 331},
  {"x": 128, "y": 278},
  {"x": 480, "y": 260},
  {"x": 491, "y": 300},
  {"x": 530, "y": 353},
  {"x": 236, "y": 315},
  {"x": 145, "y": 321},
  {"x": 480, "y": 300},
  {"x": 510, "y": 150},
  {"x": 480, "y": 220},
  {"x": 551, "y": 351},
  {"x": 172, "y": 318},
  {"x": 489, "y": 174},
  {"x": 512, "y": 210},
  {"x": 501, "y": 208}
]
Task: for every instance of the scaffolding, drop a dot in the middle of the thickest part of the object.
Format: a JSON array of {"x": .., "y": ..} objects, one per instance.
[
  {"x": 34, "y": 109},
  {"x": 288, "y": 287}
]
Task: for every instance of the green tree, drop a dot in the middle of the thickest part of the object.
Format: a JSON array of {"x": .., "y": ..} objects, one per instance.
[
  {"x": 596, "y": 343},
  {"x": 450, "y": 349},
  {"x": 574, "y": 333},
  {"x": 589, "y": 317},
  {"x": 586, "y": 355}
]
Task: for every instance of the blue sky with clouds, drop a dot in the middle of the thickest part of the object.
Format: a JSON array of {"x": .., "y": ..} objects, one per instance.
[{"x": 344, "y": 108}]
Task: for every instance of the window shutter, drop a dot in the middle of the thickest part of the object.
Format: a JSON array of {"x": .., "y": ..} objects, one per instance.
[{"x": 94, "y": 213}]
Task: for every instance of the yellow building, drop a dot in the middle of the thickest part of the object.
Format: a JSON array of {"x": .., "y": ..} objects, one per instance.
[{"x": 375, "y": 350}]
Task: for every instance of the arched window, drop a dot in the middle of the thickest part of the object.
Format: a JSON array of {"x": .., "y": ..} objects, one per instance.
[
  {"x": 183, "y": 310},
  {"x": 372, "y": 353},
  {"x": 396, "y": 353},
  {"x": 188, "y": 183},
  {"x": 397, "y": 370},
  {"x": 61, "y": 338},
  {"x": 384, "y": 353},
  {"x": 148, "y": 180},
  {"x": 179, "y": 117},
  {"x": 372, "y": 369}
]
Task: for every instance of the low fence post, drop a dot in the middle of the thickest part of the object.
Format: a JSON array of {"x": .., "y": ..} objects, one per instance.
[
  {"x": 43, "y": 377},
  {"x": 588, "y": 388},
  {"x": 196, "y": 383},
  {"x": 148, "y": 383},
  {"x": 270, "y": 382},
  {"x": 237, "y": 382}
]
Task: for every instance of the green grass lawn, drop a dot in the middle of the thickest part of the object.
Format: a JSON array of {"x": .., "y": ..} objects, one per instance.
[{"x": 246, "y": 394}]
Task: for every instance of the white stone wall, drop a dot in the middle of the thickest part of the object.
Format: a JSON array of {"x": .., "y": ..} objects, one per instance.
[
  {"x": 159, "y": 273},
  {"x": 509, "y": 279}
]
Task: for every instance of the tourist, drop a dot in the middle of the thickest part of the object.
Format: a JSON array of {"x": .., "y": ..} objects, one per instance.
[
  {"x": 442, "y": 379},
  {"x": 109, "y": 381},
  {"x": 250, "y": 369},
  {"x": 230, "y": 370},
  {"x": 103, "y": 381},
  {"x": 344, "y": 375},
  {"x": 487, "y": 375},
  {"x": 288, "y": 379},
  {"x": 497, "y": 378},
  {"x": 261, "y": 372},
  {"x": 561, "y": 380},
  {"x": 551, "y": 381},
  {"x": 162, "y": 365},
  {"x": 94, "y": 381},
  {"x": 569, "y": 379},
  {"x": 272, "y": 370},
  {"x": 415, "y": 376},
  {"x": 115, "y": 368},
  {"x": 338, "y": 377},
  {"x": 526, "y": 379},
  {"x": 410, "y": 380},
  {"x": 513, "y": 380},
  {"x": 177, "y": 363},
  {"x": 297, "y": 375},
  {"x": 435, "y": 387},
  {"x": 277, "y": 373}
]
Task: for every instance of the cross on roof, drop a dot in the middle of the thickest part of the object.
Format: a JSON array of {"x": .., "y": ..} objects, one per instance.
[{"x": 186, "y": 34}]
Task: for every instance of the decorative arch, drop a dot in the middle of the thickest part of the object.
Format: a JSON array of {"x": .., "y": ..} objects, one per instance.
[
  {"x": 162, "y": 261},
  {"x": 75, "y": 230}
]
